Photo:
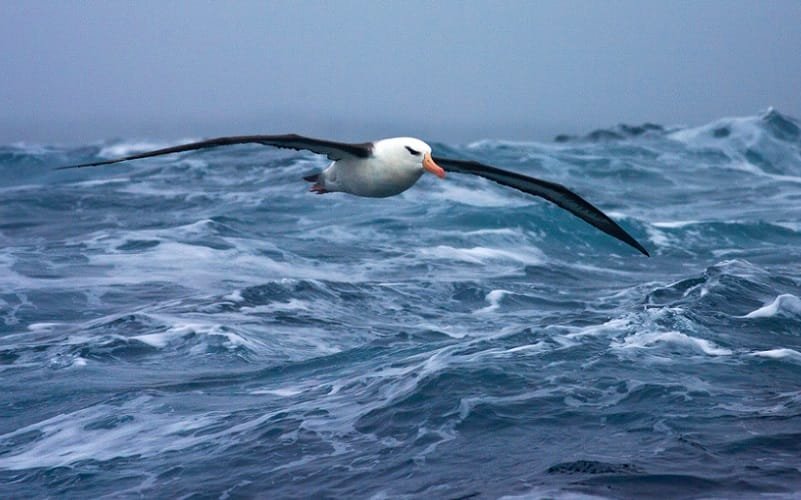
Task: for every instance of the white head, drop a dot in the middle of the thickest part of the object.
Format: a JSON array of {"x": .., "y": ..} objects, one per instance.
[{"x": 408, "y": 151}]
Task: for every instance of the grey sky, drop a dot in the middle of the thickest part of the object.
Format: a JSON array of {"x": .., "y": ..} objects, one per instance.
[{"x": 457, "y": 71}]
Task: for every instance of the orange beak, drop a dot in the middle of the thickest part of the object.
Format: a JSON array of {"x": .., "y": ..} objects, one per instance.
[{"x": 428, "y": 164}]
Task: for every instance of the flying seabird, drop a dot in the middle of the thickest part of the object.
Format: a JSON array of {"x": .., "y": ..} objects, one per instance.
[{"x": 390, "y": 166}]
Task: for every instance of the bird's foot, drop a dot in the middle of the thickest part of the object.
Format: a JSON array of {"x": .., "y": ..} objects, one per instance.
[{"x": 316, "y": 188}]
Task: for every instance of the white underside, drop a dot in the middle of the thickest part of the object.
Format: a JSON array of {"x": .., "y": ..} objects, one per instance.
[{"x": 369, "y": 177}]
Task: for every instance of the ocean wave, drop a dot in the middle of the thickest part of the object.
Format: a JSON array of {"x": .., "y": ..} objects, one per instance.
[
  {"x": 784, "y": 305},
  {"x": 92, "y": 434},
  {"x": 170, "y": 318},
  {"x": 673, "y": 338},
  {"x": 780, "y": 353},
  {"x": 125, "y": 148}
]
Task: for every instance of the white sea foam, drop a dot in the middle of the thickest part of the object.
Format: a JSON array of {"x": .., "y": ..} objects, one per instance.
[
  {"x": 676, "y": 224},
  {"x": 494, "y": 298},
  {"x": 11, "y": 280},
  {"x": 128, "y": 148},
  {"x": 495, "y": 143},
  {"x": 284, "y": 392},
  {"x": 158, "y": 340},
  {"x": 206, "y": 266},
  {"x": 32, "y": 148},
  {"x": 148, "y": 189},
  {"x": 38, "y": 327},
  {"x": 745, "y": 166},
  {"x": 551, "y": 492},
  {"x": 292, "y": 305},
  {"x": 206, "y": 331},
  {"x": 100, "y": 182},
  {"x": 786, "y": 305},
  {"x": 791, "y": 225},
  {"x": 479, "y": 197},
  {"x": 659, "y": 238},
  {"x": 743, "y": 128},
  {"x": 21, "y": 187},
  {"x": 780, "y": 353},
  {"x": 69, "y": 438},
  {"x": 235, "y": 296},
  {"x": 504, "y": 231},
  {"x": 612, "y": 326},
  {"x": 649, "y": 339},
  {"x": 498, "y": 353},
  {"x": 744, "y": 136},
  {"x": 739, "y": 267},
  {"x": 480, "y": 255}
]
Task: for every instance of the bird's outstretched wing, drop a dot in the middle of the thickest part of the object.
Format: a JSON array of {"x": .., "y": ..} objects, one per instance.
[
  {"x": 551, "y": 191},
  {"x": 333, "y": 150}
]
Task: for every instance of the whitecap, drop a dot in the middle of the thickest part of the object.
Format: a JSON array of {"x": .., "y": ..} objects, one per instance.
[
  {"x": 21, "y": 187},
  {"x": 675, "y": 224},
  {"x": 148, "y": 189},
  {"x": 499, "y": 353},
  {"x": 613, "y": 326},
  {"x": 785, "y": 305},
  {"x": 235, "y": 296},
  {"x": 750, "y": 168},
  {"x": 737, "y": 138},
  {"x": 791, "y": 225},
  {"x": 32, "y": 148},
  {"x": 481, "y": 197},
  {"x": 649, "y": 339},
  {"x": 657, "y": 237},
  {"x": 100, "y": 182},
  {"x": 494, "y": 299},
  {"x": 284, "y": 392},
  {"x": 207, "y": 266},
  {"x": 479, "y": 255},
  {"x": 504, "y": 231},
  {"x": 38, "y": 327},
  {"x": 157, "y": 340},
  {"x": 61, "y": 361},
  {"x": 743, "y": 128},
  {"x": 780, "y": 353},
  {"x": 128, "y": 148},
  {"x": 71, "y": 437},
  {"x": 161, "y": 340},
  {"x": 292, "y": 305}
]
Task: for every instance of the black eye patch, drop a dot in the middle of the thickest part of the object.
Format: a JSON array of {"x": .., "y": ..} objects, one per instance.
[{"x": 412, "y": 151}]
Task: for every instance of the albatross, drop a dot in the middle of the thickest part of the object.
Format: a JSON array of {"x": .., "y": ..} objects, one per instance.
[{"x": 388, "y": 167}]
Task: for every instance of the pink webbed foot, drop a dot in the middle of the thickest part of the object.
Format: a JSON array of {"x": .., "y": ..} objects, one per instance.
[{"x": 316, "y": 188}]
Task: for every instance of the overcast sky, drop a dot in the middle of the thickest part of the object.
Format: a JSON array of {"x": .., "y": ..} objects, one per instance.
[{"x": 76, "y": 72}]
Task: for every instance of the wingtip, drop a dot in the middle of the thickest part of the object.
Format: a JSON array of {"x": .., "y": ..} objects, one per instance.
[
  {"x": 636, "y": 244},
  {"x": 92, "y": 164}
]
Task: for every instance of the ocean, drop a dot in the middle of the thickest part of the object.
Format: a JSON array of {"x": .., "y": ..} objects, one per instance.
[{"x": 201, "y": 326}]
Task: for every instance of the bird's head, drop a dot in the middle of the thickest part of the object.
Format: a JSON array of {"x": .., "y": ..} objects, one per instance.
[{"x": 412, "y": 152}]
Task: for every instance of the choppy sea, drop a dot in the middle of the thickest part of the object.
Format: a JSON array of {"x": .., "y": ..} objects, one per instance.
[{"x": 201, "y": 326}]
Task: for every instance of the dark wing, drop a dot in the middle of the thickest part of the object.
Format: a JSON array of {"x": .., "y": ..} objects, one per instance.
[
  {"x": 333, "y": 150},
  {"x": 551, "y": 191}
]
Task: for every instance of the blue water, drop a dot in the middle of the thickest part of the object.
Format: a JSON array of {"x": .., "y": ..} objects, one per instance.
[{"x": 200, "y": 326}]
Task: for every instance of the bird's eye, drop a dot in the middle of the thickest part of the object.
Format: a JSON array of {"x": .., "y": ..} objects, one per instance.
[{"x": 412, "y": 151}]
